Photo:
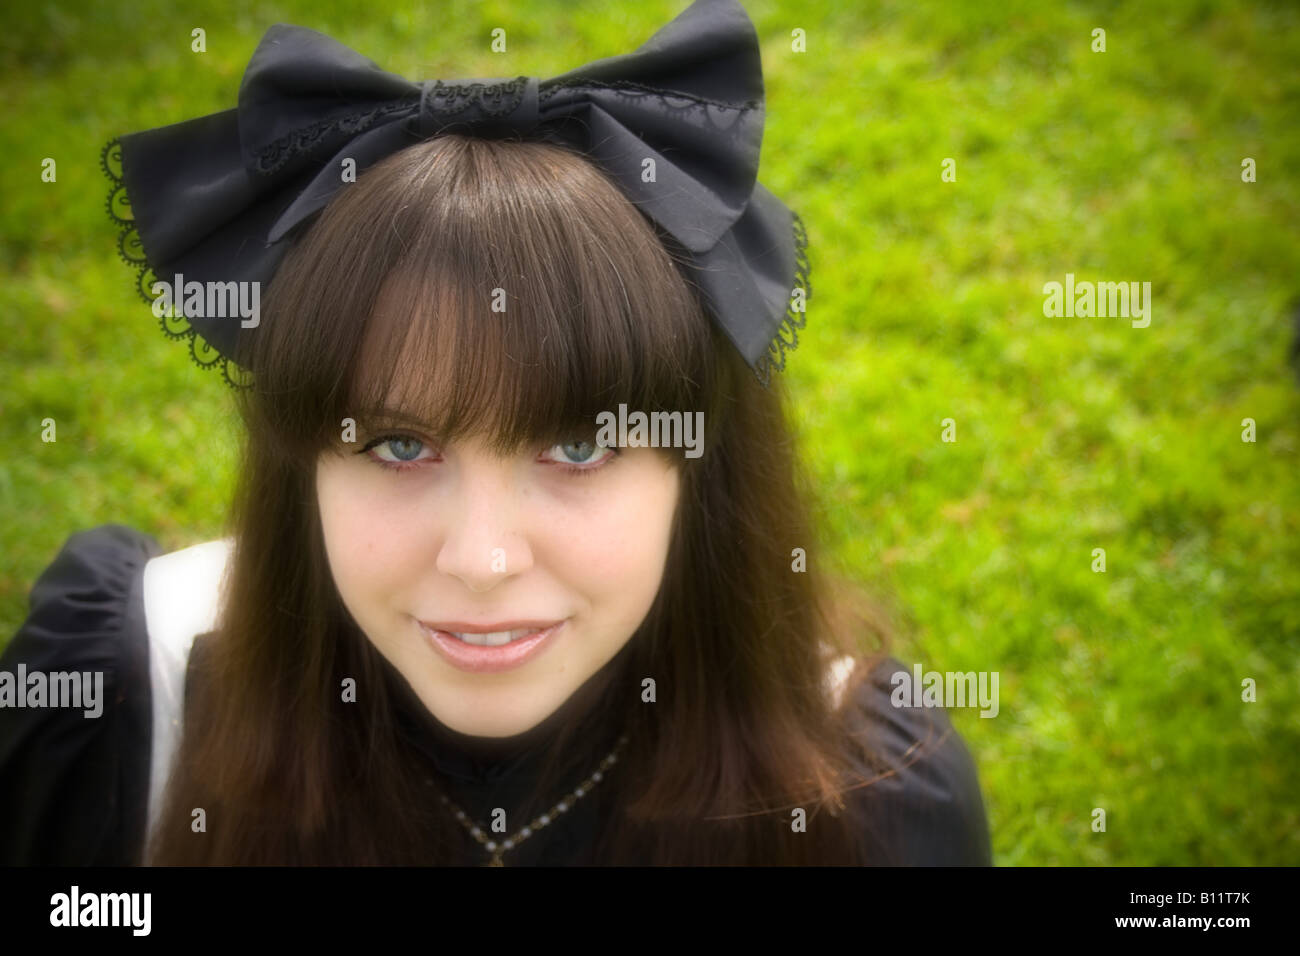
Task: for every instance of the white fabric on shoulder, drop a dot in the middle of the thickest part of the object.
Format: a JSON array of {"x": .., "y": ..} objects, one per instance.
[
  {"x": 837, "y": 675},
  {"x": 182, "y": 593}
]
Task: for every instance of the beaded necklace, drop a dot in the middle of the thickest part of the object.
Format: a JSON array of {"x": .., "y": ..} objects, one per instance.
[{"x": 545, "y": 819}]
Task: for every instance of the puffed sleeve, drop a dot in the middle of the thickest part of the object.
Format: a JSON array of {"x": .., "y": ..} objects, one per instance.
[
  {"x": 73, "y": 785},
  {"x": 924, "y": 806}
]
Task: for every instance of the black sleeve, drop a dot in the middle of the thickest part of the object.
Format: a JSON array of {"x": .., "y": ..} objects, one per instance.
[
  {"x": 924, "y": 806},
  {"x": 74, "y": 788}
]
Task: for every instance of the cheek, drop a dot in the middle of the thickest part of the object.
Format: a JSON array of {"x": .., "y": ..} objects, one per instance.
[
  {"x": 618, "y": 546},
  {"x": 364, "y": 538}
]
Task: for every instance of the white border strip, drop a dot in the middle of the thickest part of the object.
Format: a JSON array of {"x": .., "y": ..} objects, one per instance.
[{"x": 182, "y": 592}]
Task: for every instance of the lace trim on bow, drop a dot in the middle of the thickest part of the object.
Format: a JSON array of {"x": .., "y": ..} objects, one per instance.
[
  {"x": 795, "y": 314},
  {"x": 494, "y": 99},
  {"x": 640, "y": 89},
  {"x": 306, "y": 140},
  {"x": 130, "y": 250}
]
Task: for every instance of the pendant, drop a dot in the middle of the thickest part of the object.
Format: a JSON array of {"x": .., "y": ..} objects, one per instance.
[{"x": 495, "y": 861}]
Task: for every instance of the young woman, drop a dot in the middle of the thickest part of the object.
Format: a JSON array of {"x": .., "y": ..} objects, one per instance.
[{"x": 458, "y": 623}]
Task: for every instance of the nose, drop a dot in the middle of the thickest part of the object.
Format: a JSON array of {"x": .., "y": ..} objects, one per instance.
[{"x": 483, "y": 543}]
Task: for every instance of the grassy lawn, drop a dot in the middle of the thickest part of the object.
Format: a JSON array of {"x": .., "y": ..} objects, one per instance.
[{"x": 1119, "y": 690}]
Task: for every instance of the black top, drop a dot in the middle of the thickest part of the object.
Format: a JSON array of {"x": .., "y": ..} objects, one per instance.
[{"x": 74, "y": 790}]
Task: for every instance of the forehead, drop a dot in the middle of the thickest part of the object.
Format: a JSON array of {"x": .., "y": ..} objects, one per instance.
[
  {"x": 439, "y": 357},
  {"x": 406, "y": 354}
]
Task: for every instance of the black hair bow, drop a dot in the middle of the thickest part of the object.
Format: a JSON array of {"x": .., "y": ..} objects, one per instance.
[{"x": 215, "y": 198}]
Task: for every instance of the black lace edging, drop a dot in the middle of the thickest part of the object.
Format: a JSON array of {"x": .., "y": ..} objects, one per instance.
[
  {"x": 131, "y": 252},
  {"x": 273, "y": 157},
  {"x": 774, "y": 359},
  {"x": 495, "y": 99},
  {"x": 640, "y": 89}
]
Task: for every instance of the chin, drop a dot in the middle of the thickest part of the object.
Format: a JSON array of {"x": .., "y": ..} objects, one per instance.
[
  {"x": 486, "y": 712},
  {"x": 483, "y": 725}
]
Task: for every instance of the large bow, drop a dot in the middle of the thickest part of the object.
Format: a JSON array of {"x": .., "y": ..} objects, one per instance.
[{"x": 214, "y": 198}]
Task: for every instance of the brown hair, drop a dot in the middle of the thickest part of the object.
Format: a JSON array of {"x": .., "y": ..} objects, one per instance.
[{"x": 386, "y": 300}]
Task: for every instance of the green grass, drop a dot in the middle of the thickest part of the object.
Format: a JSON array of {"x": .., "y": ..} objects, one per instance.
[{"x": 1118, "y": 690}]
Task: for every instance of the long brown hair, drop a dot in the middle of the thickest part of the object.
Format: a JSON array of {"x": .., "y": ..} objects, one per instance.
[{"x": 386, "y": 300}]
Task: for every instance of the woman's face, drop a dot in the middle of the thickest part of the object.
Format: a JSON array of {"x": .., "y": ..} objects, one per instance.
[{"x": 457, "y": 538}]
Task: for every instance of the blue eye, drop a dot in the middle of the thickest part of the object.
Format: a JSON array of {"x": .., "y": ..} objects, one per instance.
[
  {"x": 578, "y": 451},
  {"x": 578, "y": 456},
  {"x": 404, "y": 450}
]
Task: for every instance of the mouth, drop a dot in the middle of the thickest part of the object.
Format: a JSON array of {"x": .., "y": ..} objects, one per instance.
[
  {"x": 490, "y": 648},
  {"x": 489, "y": 635}
]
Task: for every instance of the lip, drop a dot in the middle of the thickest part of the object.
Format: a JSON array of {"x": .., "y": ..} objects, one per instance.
[
  {"x": 463, "y": 628},
  {"x": 474, "y": 659}
]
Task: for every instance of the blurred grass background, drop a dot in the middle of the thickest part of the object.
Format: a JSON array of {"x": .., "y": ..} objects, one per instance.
[{"x": 1119, "y": 690}]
